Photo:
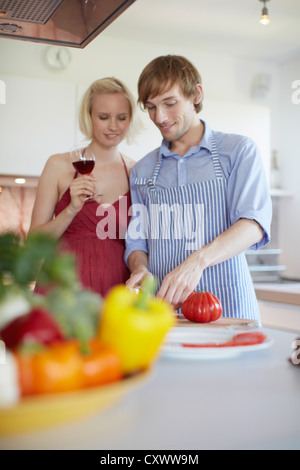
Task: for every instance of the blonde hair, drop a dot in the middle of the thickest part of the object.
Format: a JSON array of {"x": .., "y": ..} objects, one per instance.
[
  {"x": 162, "y": 73},
  {"x": 99, "y": 87}
]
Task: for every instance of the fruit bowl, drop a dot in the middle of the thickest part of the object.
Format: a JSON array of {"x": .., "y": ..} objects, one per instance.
[{"x": 44, "y": 411}]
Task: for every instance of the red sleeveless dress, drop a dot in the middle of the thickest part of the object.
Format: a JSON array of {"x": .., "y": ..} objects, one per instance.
[{"x": 96, "y": 236}]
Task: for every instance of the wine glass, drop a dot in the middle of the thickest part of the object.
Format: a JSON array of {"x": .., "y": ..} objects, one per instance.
[{"x": 83, "y": 160}]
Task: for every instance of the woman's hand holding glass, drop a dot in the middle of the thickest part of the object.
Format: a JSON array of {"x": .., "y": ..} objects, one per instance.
[{"x": 82, "y": 188}]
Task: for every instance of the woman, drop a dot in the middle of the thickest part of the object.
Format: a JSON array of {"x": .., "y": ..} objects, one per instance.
[{"x": 94, "y": 229}]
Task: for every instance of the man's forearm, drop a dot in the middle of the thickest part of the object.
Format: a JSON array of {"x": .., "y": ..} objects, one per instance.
[
  {"x": 137, "y": 260},
  {"x": 238, "y": 238}
]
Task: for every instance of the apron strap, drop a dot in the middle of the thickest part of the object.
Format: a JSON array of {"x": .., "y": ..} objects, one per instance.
[
  {"x": 152, "y": 180},
  {"x": 215, "y": 159}
]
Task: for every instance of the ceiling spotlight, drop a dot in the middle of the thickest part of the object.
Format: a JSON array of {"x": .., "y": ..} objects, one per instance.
[{"x": 264, "y": 19}]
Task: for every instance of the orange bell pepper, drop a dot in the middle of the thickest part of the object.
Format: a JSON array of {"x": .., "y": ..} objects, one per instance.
[
  {"x": 63, "y": 367},
  {"x": 54, "y": 369},
  {"x": 101, "y": 365}
]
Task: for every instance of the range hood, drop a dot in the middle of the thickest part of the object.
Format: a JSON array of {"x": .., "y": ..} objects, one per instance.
[{"x": 63, "y": 22}]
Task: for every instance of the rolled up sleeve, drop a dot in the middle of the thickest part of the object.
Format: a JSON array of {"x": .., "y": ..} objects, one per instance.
[{"x": 248, "y": 192}]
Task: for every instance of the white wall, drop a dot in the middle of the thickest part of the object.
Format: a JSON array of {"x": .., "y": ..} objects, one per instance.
[{"x": 38, "y": 119}]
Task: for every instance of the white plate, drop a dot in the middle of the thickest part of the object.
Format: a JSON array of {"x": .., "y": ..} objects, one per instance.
[{"x": 173, "y": 346}]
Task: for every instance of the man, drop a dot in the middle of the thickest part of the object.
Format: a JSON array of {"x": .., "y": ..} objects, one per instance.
[{"x": 209, "y": 183}]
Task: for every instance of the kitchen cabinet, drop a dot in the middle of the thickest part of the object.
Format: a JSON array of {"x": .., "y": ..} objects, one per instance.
[
  {"x": 279, "y": 304},
  {"x": 17, "y": 196},
  {"x": 279, "y": 314},
  {"x": 264, "y": 264}
]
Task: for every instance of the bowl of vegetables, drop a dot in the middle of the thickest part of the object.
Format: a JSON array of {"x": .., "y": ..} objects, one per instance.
[{"x": 69, "y": 352}]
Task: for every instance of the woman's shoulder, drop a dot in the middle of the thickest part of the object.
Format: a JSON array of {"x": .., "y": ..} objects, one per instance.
[
  {"x": 59, "y": 160},
  {"x": 59, "y": 164}
]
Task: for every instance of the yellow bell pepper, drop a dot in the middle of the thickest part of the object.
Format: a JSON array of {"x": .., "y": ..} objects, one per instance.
[{"x": 135, "y": 325}]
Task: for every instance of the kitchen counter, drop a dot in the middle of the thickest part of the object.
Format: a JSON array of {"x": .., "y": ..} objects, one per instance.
[
  {"x": 286, "y": 292},
  {"x": 279, "y": 304},
  {"x": 250, "y": 401}
]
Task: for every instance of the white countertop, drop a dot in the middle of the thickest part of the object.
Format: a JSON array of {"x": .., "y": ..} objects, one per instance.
[
  {"x": 287, "y": 287},
  {"x": 251, "y": 401},
  {"x": 279, "y": 292}
]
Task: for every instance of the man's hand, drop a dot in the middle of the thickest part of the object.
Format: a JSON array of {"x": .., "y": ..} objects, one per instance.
[
  {"x": 180, "y": 283},
  {"x": 137, "y": 263},
  {"x": 137, "y": 278}
]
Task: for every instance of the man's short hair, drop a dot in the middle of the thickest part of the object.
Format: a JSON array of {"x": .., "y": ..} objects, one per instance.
[{"x": 162, "y": 73}]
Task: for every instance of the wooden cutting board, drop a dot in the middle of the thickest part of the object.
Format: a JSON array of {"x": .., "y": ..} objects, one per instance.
[{"x": 222, "y": 322}]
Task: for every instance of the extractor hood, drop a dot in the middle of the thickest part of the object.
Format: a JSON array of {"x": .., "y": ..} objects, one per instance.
[{"x": 63, "y": 22}]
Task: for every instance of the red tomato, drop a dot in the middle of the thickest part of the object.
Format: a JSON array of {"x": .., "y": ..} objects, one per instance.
[{"x": 202, "y": 307}]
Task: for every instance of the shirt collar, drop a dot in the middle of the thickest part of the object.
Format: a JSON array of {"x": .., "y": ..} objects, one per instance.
[{"x": 204, "y": 143}]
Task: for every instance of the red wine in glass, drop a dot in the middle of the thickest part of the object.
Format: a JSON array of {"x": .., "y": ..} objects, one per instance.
[{"x": 84, "y": 166}]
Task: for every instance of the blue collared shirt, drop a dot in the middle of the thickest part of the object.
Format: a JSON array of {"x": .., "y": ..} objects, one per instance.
[{"x": 247, "y": 189}]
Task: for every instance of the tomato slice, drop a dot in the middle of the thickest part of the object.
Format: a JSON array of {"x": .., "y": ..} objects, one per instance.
[
  {"x": 200, "y": 345},
  {"x": 247, "y": 339},
  {"x": 242, "y": 339}
]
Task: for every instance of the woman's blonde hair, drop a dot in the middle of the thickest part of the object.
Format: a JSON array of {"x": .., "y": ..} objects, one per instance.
[
  {"x": 162, "y": 73},
  {"x": 102, "y": 86}
]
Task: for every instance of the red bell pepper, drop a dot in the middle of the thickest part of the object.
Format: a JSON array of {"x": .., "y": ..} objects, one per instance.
[{"x": 38, "y": 325}]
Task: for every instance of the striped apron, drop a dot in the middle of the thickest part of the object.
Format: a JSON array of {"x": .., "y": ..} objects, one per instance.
[{"x": 186, "y": 217}]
